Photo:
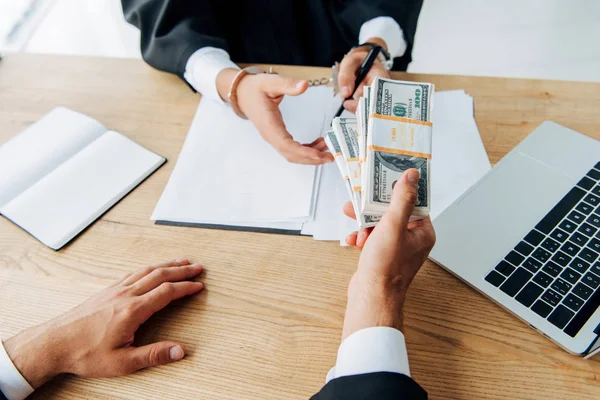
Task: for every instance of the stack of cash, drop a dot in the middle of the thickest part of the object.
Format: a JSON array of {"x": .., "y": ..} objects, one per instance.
[{"x": 390, "y": 134}]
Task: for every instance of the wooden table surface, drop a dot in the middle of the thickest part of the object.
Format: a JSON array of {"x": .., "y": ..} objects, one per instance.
[{"x": 268, "y": 325}]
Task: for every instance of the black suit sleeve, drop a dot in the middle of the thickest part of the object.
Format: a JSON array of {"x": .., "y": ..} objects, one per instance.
[
  {"x": 172, "y": 30},
  {"x": 2, "y": 396},
  {"x": 404, "y": 12},
  {"x": 375, "y": 386}
]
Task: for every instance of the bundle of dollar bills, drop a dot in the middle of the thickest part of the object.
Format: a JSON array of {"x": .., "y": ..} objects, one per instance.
[{"x": 390, "y": 134}]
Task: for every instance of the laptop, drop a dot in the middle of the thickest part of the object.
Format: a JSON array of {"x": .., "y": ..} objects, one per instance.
[{"x": 527, "y": 236}]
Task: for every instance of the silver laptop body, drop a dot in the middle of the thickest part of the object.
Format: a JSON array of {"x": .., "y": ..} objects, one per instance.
[{"x": 482, "y": 228}]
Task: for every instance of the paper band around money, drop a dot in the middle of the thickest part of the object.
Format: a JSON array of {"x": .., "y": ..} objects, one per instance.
[{"x": 396, "y": 151}]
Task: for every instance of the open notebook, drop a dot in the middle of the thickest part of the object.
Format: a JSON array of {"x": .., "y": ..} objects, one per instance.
[{"x": 64, "y": 171}]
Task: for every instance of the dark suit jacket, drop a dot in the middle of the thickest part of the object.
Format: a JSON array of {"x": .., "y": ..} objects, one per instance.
[
  {"x": 376, "y": 386},
  {"x": 294, "y": 32},
  {"x": 2, "y": 397}
]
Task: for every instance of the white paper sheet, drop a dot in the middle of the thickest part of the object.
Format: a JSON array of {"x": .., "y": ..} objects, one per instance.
[
  {"x": 459, "y": 159},
  {"x": 43, "y": 146},
  {"x": 227, "y": 174}
]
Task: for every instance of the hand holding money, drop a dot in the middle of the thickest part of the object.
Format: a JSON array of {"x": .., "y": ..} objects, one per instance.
[{"x": 391, "y": 134}]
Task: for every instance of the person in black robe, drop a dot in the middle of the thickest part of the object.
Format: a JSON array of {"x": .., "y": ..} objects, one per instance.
[{"x": 198, "y": 39}]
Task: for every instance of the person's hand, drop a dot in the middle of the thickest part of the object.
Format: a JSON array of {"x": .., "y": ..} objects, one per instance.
[
  {"x": 392, "y": 254},
  {"x": 259, "y": 97},
  {"x": 349, "y": 68},
  {"x": 96, "y": 338}
]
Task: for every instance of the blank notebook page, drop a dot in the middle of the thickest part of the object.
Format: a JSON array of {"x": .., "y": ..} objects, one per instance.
[{"x": 68, "y": 199}]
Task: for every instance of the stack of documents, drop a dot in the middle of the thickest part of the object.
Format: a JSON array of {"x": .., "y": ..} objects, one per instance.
[{"x": 228, "y": 177}]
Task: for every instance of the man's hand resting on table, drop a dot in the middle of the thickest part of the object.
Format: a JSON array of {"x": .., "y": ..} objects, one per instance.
[
  {"x": 259, "y": 97},
  {"x": 96, "y": 338},
  {"x": 392, "y": 254}
]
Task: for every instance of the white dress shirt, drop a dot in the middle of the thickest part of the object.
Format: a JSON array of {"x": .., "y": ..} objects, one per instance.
[
  {"x": 204, "y": 65},
  {"x": 12, "y": 383}
]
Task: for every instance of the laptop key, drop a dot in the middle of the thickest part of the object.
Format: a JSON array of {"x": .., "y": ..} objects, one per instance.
[
  {"x": 570, "y": 248},
  {"x": 588, "y": 309},
  {"x": 551, "y": 268},
  {"x": 516, "y": 281},
  {"x": 594, "y": 244},
  {"x": 591, "y": 280},
  {"x": 534, "y": 237},
  {"x": 582, "y": 291},
  {"x": 573, "y": 302},
  {"x": 576, "y": 217},
  {"x": 570, "y": 200},
  {"x": 592, "y": 199},
  {"x": 570, "y": 275},
  {"x": 594, "y": 174},
  {"x": 495, "y": 278},
  {"x": 594, "y": 220},
  {"x": 596, "y": 268},
  {"x": 530, "y": 292},
  {"x": 567, "y": 226},
  {"x": 559, "y": 235},
  {"x": 542, "y": 309},
  {"x": 587, "y": 229},
  {"x": 584, "y": 208},
  {"x": 542, "y": 279},
  {"x": 579, "y": 239},
  {"x": 541, "y": 255},
  {"x": 561, "y": 258},
  {"x": 586, "y": 183},
  {"x": 551, "y": 297},
  {"x": 588, "y": 255},
  {"x": 532, "y": 264},
  {"x": 579, "y": 265},
  {"x": 524, "y": 248},
  {"x": 505, "y": 268},
  {"x": 596, "y": 190},
  {"x": 560, "y": 316},
  {"x": 514, "y": 258},
  {"x": 551, "y": 245},
  {"x": 561, "y": 286}
]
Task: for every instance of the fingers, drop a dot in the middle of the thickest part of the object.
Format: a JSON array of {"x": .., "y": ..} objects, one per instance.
[
  {"x": 164, "y": 294},
  {"x": 351, "y": 105},
  {"x": 297, "y": 153},
  {"x": 347, "y": 75},
  {"x": 136, "y": 358},
  {"x": 349, "y": 210},
  {"x": 140, "y": 273},
  {"x": 404, "y": 197},
  {"x": 351, "y": 239},
  {"x": 362, "y": 237},
  {"x": 277, "y": 85},
  {"x": 161, "y": 275}
]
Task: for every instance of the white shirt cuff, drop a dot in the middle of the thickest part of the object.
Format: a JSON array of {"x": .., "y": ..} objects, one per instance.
[
  {"x": 12, "y": 383},
  {"x": 377, "y": 349},
  {"x": 385, "y": 28},
  {"x": 202, "y": 68}
]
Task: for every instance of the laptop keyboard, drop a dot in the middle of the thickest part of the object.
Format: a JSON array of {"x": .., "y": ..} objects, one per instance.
[{"x": 555, "y": 269}]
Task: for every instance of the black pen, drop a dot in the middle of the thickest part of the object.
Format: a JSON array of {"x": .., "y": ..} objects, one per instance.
[{"x": 364, "y": 69}]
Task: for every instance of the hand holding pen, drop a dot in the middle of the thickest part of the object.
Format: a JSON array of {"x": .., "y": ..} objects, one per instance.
[{"x": 358, "y": 68}]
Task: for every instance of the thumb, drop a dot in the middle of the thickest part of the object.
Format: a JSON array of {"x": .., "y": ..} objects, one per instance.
[
  {"x": 286, "y": 85},
  {"x": 404, "y": 197},
  {"x": 152, "y": 355}
]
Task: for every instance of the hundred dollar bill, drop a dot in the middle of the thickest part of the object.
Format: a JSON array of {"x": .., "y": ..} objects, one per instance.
[
  {"x": 399, "y": 138},
  {"x": 343, "y": 145}
]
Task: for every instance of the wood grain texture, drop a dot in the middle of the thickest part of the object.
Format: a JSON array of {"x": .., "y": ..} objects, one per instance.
[{"x": 269, "y": 323}]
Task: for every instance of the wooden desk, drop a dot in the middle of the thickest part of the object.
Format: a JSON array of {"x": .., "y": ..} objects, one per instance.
[{"x": 268, "y": 326}]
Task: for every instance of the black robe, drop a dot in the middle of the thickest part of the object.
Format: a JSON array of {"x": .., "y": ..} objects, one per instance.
[{"x": 292, "y": 32}]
